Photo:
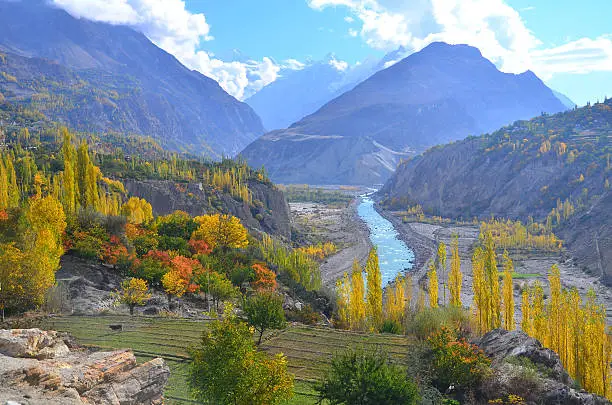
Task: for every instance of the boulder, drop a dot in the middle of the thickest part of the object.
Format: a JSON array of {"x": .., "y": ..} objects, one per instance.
[
  {"x": 541, "y": 380},
  {"x": 76, "y": 376}
]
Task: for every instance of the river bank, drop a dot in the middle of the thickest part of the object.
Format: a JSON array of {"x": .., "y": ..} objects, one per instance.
[
  {"x": 340, "y": 224},
  {"x": 423, "y": 239}
]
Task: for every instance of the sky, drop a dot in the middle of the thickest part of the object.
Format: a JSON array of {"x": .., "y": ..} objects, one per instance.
[{"x": 248, "y": 44}]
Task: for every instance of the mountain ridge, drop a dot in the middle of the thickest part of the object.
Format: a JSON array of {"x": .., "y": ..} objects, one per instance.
[{"x": 442, "y": 93}]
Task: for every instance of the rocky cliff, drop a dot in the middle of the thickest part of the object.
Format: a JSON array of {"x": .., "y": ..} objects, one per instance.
[
  {"x": 520, "y": 171},
  {"x": 269, "y": 211},
  {"x": 45, "y": 367}
]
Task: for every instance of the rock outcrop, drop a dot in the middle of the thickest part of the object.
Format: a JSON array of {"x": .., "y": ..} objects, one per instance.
[
  {"x": 269, "y": 212},
  {"x": 522, "y": 366},
  {"x": 45, "y": 367}
]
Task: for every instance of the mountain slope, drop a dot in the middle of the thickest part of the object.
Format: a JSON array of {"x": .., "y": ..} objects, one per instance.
[
  {"x": 445, "y": 92},
  {"x": 111, "y": 77},
  {"x": 521, "y": 171}
]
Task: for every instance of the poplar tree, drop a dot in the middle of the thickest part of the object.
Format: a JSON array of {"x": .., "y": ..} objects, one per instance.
[
  {"x": 455, "y": 278},
  {"x": 554, "y": 309},
  {"x": 480, "y": 291},
  {"x": 432, "y": 277},
  {"x": 493, "y": 316},
  {"x": 357, "y": 298},
  {"x": 441, "y": 268},
  {"x": 508, "y": 293},
  {"x": 374, "y": 293},
  {"x": 343, "y": 292},
  {"x": 526, "y": 320}
]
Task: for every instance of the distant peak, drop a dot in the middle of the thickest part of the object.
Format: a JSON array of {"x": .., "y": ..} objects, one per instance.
[{"x": 443, "y": 47}]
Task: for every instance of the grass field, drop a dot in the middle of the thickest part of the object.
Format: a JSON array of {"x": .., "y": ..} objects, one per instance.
[{"x": 308, "y": 349}]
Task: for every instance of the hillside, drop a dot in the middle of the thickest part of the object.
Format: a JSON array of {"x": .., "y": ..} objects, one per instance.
[
  {"x": 442, "y": 93},
  {"x": 555, "y": 169},
  {"x": 99, "y": 77}
]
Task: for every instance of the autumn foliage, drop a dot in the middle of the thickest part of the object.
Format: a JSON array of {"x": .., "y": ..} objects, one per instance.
[{"x": 265, "y": 279}]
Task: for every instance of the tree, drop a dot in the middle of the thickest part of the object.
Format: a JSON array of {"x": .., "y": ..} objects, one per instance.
[
  {"x": 441, "y": 268},
  {"x": 11, "y": 276},
  {"x": 174, "y": 285},
  {"x": 227, "y": 369},
  {"x": 264, "y": 310},
  {"x": 432, "y": 277},
  {"x": 508, "y": 293},
  {"x": 455, "y": 278},
  {"x": 374, "y": 291},
  {"x": 357, "y": 307},
  {"x": 359, "y": 377},
  {"x": 265, "y": 279},
  {"x": 224, "y": 231},
  {"x": 220, "y": 288},
  {"x": 480, "y": 290},
  {"x": 134, "y": 292},
  {"x": 343, "y": 301},
  {"x": 493, "y": 299},
  {"x": 137, "y": 210}
]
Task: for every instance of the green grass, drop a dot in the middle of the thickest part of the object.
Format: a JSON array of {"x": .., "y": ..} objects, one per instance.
[{"x": 308, "y": 349}]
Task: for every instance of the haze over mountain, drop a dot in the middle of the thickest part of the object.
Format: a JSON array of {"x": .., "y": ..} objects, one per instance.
[
  {"x": 442, "y": 93},
  {"x": 99, "y": 77},
  {"x": 301, "y": 92}
]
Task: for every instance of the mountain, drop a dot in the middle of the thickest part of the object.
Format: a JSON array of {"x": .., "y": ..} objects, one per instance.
[
  {"x": 298, "y": 93},
  {"x": 567, "y": 102},
  {"x": 442, "y": 93},
  {"x": 524, "y": 170},
  {"x": 99, "y": 77}
]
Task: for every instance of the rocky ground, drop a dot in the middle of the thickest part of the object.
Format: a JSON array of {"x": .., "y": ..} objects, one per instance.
[
  {"x": 46, "y": 367},
  {"x": 424, "y": 237},
  {"x": 339, "y": 224}
]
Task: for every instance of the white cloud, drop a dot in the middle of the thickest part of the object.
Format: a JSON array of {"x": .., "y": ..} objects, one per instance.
[
  {"x": 339, "y": 65},
  {"x": 491, "y": 25},
  {"x": 349, "y": 19},
  {"x": 292, "y": 64},
  {"x": 353, "y": 33},
  {"x": 175, "y": 29}
]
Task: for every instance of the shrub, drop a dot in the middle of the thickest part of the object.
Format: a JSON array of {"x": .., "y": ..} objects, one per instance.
[
  {"x": 174, "y": 244},
  {"x": 364, "y": 377},
  {"x": 305, "y": 315},
  {"x": 456, "y": 362},
  {"x": 430, "y": 320},
  {"x": 391, "y": 326},
  {"x": 144, "y": 243}
]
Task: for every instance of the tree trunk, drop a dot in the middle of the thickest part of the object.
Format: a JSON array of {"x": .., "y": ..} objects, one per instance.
[
  {"x": 169, "y": 302},
  {"x": 260, "y": 336},
  {"x": 2, "y": 314},
  {"x": 131, "y": 310}
]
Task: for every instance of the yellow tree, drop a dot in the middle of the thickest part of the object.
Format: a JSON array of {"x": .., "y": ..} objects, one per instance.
[
  {"x": 11, "y": 276},
  {"x": 175, "y": 285},
  {"x": 493, "y": 318},
  {"x": 537, "y": 313},
  {"x": 508, "y": 293},
  {"x": 432, "y": 277},
  {"x": 526, "y": 320},
  {"x": 133, "y": 292},
  {"x": 223, "y": 231},
  {"x": 43, "y": 245},
  {"x": 441, "y": 268},
  {"x": 343, "y": 297},
  {"x": 357, "y": 299},
  {"x": 374, "y": 293},
  {"x": 480, "y": 290},
  {"x": 554, "y": 318},
  {"x": 137, "y": 210},
  {"x": 455, "y": 277},
  {"x": 395, "y": 302}
]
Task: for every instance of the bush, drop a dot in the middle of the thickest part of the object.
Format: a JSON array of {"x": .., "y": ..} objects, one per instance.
[
  {"x": 390, "y": 326},
  {"x": 431, "y": 320},
  {"x": 145, "y": 243},
  {"x": 87, "y": 246},
  {"x": 175, "y": 244},
  {"x": 457, "y": 363},
  {"x": 364, "y": 377},
  {"x": 306, "y": 315}
]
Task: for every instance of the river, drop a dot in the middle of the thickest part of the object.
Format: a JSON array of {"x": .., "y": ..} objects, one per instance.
[{"x": 394, "y": 255}]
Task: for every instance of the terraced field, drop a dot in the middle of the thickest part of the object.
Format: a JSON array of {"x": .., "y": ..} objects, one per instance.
[{"x": 308, "y": 349}]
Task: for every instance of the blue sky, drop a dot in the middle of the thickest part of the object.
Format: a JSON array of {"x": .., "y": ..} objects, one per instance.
[{"x": 247, "y": 44}]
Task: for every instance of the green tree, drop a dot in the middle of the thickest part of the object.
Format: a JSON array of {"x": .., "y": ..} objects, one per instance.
[
  {"x": 264, "y": 310},
  {"x": 227, "y": 369},
  {"x": 359, "y": 377}
]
